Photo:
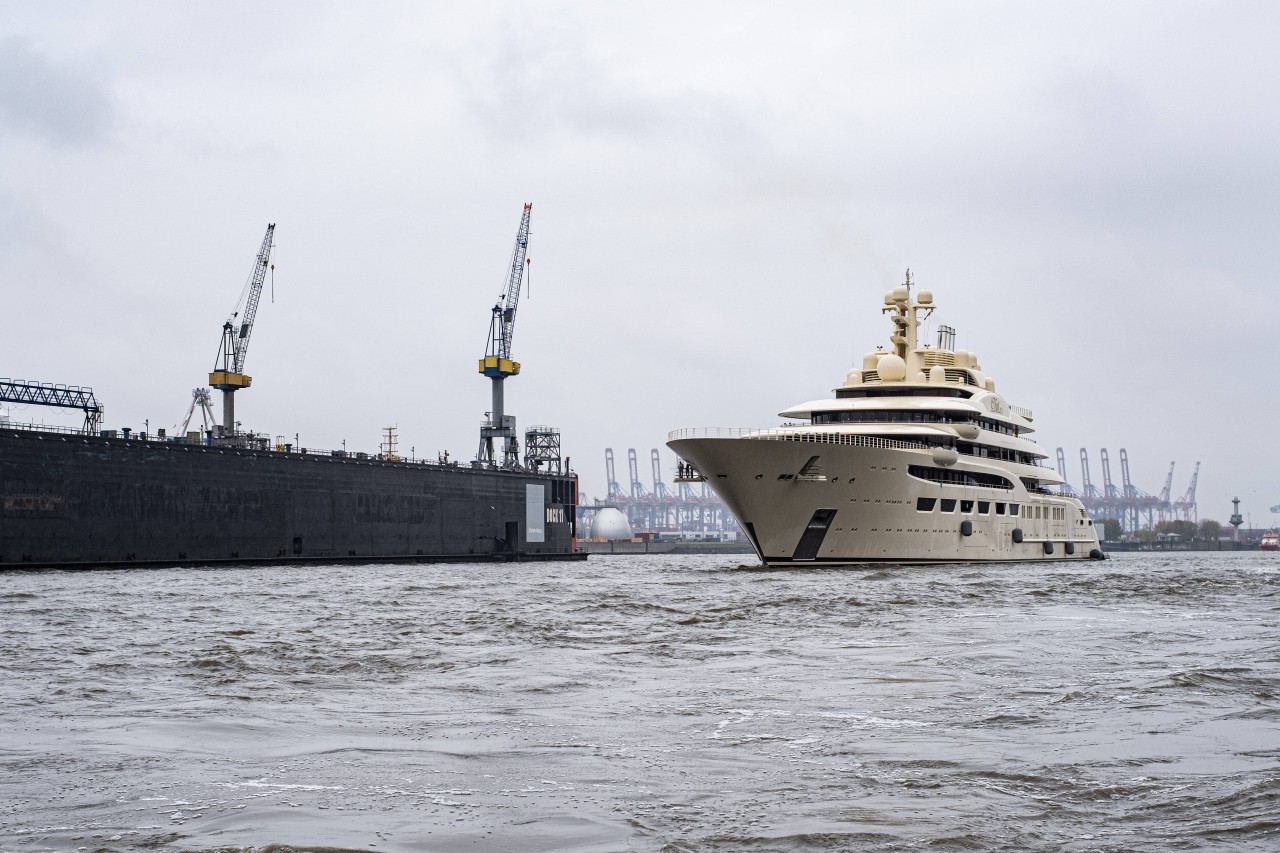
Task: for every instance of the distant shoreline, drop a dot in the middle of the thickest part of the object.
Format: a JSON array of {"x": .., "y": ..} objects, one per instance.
[
  {"x": 647, "y": 547},
  {"x": 1216, "y": 545}
]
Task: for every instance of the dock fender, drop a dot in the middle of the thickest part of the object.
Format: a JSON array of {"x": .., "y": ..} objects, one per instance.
[
  {"x": 1097, "y": 554},
  {"x": 1048, "y": 547},
  {"x": 1069, "y": 547},
  {"x": 966, "y": 528},
  {"x": 1017, "y": 535}
]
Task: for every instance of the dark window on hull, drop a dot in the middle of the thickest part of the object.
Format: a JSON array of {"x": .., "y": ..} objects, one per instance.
[
  {"x": 925, "y": 504},
  {"x": 755, "y": 543},
  {"x": 814, "y": 532}
]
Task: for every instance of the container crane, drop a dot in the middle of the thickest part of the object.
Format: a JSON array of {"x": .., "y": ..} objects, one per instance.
[
  {"x": 1165, "y": 495},
  {"x": 660, "y": 489},
  {"x": 615, "y": 488},
  {"x": 228, "y": 374},
  {"x": 1065, "y": 488},
  {"x": 633, "y": 467},
  {"x": 1108, "y": 488},
  {"x": 1136, "y": 503},
  {"x": 1089, "y": 489},
  {"x": 497, "y": 363},
  {"x": 1185, "y": 507},
  {"x": 1165, "y": 505}
]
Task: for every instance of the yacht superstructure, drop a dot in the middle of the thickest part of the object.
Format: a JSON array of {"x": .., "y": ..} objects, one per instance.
[{"x": 916, "y": 459}]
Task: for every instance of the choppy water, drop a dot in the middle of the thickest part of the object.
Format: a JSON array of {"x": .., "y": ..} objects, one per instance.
[{"x": 645, "y": 703}]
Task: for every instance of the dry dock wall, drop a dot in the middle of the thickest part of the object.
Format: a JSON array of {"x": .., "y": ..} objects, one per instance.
[{"x": 70, "y": 500}]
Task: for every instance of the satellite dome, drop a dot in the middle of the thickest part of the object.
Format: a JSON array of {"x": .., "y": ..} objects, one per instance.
[
  {"x": 892, "y": 368},
  {"x": 610, "y": 523}
]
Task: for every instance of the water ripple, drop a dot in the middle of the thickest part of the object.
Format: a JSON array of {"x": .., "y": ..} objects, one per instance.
[{"x": 644, "y": 703}]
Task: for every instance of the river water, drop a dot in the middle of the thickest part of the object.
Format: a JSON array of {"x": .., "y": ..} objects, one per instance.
[{"x": 673, "y": 703}]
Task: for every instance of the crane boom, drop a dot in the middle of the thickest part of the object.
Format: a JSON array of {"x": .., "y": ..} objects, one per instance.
[{"x": 255, "y": 293}]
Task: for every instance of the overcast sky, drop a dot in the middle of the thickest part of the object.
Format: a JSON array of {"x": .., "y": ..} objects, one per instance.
[{"x": 722, "y": 192}]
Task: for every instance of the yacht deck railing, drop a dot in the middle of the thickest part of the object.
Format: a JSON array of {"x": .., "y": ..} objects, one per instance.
[
  {"x": 816, "y": 438},
  {"x": 789, "y": 435}
]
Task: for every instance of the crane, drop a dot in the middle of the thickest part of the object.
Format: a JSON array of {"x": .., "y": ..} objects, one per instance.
[
  {"x": 633, "y": 466},
  {"x": 1168, "y": 484},
  {"x": 497, "y": 363},
  {"x": 228, "y": 374},
  {"x": 1185, "y": 507},
  {"x": 1062, "y": 472},
  {"x": 59, "y": 396},
  {"x": 1108, "y": 488},
  {"x": 660, "y": 489},
  {"x": 1089, "y": 490},
  {"x": 615, "y": 489},
  {"x": 200, "y": 399}
]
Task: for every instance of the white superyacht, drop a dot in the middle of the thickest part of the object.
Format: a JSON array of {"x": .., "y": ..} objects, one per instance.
[{"x": 917, "y": 459}]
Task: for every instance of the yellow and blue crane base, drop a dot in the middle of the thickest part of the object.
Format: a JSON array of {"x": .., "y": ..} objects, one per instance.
[
  {"x": 225, "y": 380},
  {"x": 496, "y": 367}
]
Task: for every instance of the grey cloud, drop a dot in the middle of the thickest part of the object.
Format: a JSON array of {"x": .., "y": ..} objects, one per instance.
[
  {"x": 53, "y": 101},
  {"x": 547, "y": 84}
]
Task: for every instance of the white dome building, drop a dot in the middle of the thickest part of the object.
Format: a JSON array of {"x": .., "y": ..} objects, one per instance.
[{"x": 610, "y": 523}]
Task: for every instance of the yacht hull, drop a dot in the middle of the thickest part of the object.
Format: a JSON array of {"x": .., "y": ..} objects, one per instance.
[{"x": 804, "y": 503}]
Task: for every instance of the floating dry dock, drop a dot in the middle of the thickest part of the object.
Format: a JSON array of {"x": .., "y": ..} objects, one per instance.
[{"x": 87, "y": 501}]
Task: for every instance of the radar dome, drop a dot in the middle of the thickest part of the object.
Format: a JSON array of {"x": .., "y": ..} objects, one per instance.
[
  {"x": 892, "y": 368},
  {"x": 900, "y": 293},
  {"x": 853, "y": 377},
  {"x": 610, "y": 523},
  {"x": 925, "y": 297}
]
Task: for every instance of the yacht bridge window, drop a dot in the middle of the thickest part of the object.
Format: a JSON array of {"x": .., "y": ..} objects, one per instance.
[{"x": 849, "y": 393}]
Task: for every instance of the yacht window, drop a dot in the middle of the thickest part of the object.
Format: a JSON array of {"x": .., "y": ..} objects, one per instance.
[
  {"x": 925, "y": 504},
  {"x": 999, "y": 508},
  {"x": 984, "y": 507},
  {"x": 948, "y": 505},
  {"x": 966, "y": 506},
  {"x": 1013, "y": 509},
  {"x": 958, "y": 478}
]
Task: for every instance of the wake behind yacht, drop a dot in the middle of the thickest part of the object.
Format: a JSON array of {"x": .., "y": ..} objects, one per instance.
[{"x": 917, "y": 459}]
